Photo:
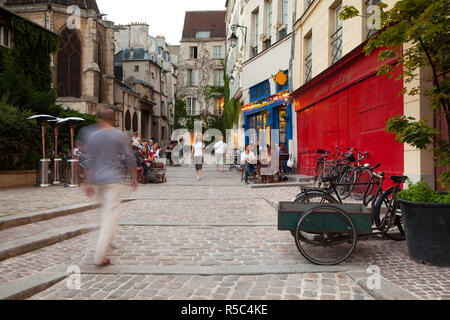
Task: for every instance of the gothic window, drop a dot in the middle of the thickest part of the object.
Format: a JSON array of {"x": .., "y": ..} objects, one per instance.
[
  {"x": 69, "y": 64},
  {"x": 128, "y": 120},
  {"x": 101, "y": 88},
  {"x": 135, "y": 122}
]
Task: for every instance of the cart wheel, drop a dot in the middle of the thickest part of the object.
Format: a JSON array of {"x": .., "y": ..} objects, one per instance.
[{"x": 326, "y": 235}]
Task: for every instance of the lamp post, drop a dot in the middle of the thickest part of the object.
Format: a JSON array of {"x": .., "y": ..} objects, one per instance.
[
  {"x": 43, "y": 164},
  {"x": 232, "y": 40}
]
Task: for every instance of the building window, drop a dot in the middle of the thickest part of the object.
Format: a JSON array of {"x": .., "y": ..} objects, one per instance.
[
  {"x": 285, "y": 12},
  {"x": 368, "y": 12},
  {"x": 128, "y": 120},
  {"x": 191, "y": 77},
  {"x": 308, "y": 59},
  {"x": 69, "y": 64},
  {"x": 336, "y": 37},
  {"x": 136, "y": 68},
  {"x": 135, "y": 122},
  {"x": 193, "y": 53},
  {"x": 191, "y": 104},
  {"x": 260, "y": 91},
  {"x": 202, "y": 34},
  {"x": 256, "y": 25},
  {"x": 218, "y": 78},
  {"x": 269, "y": 19},
  {"x": 219, "y": 106},
  {"x": 4, "y": 37},
  {"x": 217, "y": 52}
]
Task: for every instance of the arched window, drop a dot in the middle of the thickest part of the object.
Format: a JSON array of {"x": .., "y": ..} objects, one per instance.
[
  {"x": 135, "y": 122},
  {"x": 69, "y": 64},
  {"x": 128, "y": 120}
]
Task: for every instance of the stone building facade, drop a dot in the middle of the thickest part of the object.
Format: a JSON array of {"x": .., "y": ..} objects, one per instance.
[
  {"x": 146, "y": 66},
  {"x": 83, "y": 68},
  {"x": 202, "y": 51}
]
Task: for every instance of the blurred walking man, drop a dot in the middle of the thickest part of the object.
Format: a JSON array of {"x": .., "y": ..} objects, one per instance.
[{"x": 105, "y": 147}]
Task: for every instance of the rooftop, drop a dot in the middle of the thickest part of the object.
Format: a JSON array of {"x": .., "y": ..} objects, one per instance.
[{"x": 212, "y": 21}]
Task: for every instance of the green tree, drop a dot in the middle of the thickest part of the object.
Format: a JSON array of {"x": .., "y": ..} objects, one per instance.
[{"x": 422, "y": 28}]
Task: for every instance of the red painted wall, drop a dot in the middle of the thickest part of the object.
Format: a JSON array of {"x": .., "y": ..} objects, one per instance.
[{"x": 349, "y": 108}]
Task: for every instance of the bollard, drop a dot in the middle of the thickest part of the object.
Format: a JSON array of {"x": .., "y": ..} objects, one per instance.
[
  {"x": 72, "y": 174},
  {"x": 56, "y": 172},
  {"x": 42, "y": 173}
]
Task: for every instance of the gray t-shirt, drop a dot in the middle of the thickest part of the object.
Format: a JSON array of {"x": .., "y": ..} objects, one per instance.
[{"x": 106, "y": 148}]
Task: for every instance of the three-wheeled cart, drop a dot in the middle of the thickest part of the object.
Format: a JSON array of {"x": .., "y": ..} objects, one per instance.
[{"x": 325, "y": 234}]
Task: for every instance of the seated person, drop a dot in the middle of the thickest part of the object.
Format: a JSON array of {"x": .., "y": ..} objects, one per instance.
[
  {"x": 247, "y": 160},
  {"x": 141, "y": 156},
  {"x": 270, "y": 166}
]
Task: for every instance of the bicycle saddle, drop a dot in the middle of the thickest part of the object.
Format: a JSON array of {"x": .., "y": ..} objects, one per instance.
[
  {"x": 398, "y": 179},
  {"x": 321, "y": 151}
]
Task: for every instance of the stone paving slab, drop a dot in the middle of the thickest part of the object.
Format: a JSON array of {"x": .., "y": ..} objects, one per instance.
[{"x": 306, "y": 286}]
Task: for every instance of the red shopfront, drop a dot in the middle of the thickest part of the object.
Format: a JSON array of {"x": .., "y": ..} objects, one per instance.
[{"x": 347, "y": 106}]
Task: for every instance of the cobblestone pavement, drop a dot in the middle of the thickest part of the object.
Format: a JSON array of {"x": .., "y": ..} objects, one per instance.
[
  {"x": 273, "y": 287},
  {"x": 216, "y": 222}
]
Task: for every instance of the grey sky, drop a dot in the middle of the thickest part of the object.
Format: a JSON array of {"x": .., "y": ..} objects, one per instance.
[{"x": 165, "y": 17}]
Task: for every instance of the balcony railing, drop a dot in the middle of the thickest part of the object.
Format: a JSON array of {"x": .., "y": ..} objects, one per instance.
[
  {"x": 267, "y": 44},
  {"x": 282, "y": 34},
  {"x": 308, "y": 67},
  {"x": 254, "y": 51},
  {"x": 336, "y": 46}
]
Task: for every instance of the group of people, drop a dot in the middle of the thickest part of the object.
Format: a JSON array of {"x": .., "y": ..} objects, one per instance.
[
  {"x": 269, "y": 161},
  {"x": 145, "y": 152},
  {"x": 198, "y": 154}
]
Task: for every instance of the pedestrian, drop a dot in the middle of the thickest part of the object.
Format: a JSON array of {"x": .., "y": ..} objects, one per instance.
[
  {"x": 198, "y": 153},
  {"x": 103, "y": 176},
  {"x": 247, "y": 160},
  {"x": 220, "y": 149}
]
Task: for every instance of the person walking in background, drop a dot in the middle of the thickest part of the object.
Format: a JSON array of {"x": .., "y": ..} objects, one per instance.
[
  {"x": 220, "y": 149},
  {"x": 103, "y": 176},
  {"x": 198, "y": 153}
]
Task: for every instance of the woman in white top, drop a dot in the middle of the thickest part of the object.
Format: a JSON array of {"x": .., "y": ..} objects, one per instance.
[{"x": 197, "y": 153}]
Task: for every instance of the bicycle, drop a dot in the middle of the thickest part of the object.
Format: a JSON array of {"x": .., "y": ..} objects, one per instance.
[{"x": 387, "y": 213}]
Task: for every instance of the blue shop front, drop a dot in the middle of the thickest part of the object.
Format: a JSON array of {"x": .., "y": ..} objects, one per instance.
[{"x": 267, "y": 112}]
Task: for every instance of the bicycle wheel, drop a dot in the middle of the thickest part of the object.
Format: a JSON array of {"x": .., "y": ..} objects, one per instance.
[
  {"x": 346, "y": 184},
  {"x": 361, "y": 186},
  {"x": 387, "y": 216},
  {"x": 326, "y": 235},
  {"x": 315, "y": 197}
]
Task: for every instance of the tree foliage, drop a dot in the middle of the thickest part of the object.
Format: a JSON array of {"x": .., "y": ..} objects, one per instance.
[{"x": 422, "y": 28}]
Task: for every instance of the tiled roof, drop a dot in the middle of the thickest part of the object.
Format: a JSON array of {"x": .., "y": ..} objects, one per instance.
[
  {"x": 83, "y": 4},
  {"x": 212, "y": 21}
]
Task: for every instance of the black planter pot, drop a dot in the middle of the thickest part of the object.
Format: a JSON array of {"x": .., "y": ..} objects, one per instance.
[{"x": 427, "y": 229}]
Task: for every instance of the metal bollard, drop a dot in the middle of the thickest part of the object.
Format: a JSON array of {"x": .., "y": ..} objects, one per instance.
[
  {"x": 56, "y": 172},
  {"x": 72, "y": 174},
  {"x": 42, "y": 173}
]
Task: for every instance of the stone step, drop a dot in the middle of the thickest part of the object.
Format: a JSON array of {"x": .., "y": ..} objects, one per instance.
[{"x": 18, "y": 247}]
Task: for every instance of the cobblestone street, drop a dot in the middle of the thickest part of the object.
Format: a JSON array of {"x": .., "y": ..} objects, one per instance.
[{"x": 211, "y": 239}]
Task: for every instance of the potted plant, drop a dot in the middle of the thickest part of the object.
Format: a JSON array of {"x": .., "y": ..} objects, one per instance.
[
  {"x": 421, "y": 27},
  {"x": 426, "y": 218},
  {"x": 279, "y": 26}
]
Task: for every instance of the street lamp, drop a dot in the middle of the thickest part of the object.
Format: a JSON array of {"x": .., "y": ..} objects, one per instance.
[
  {"x": 233, "y": 38},
  {"x": 231, "y": 80}
]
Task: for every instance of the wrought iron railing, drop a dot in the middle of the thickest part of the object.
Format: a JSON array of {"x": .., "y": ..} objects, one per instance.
[
  {"x": 308, "y": 67},
  {"x": 336, "y": 46},
  {"x": 254, "y": 51}
]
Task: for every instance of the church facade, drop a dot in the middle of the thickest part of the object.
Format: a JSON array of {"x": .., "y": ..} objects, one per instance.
[{"x": 83, "y": 68}]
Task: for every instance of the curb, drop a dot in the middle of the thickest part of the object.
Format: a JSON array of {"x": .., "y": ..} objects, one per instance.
[
  {"x": 33, "y": 217},
  {"x": 387, "y": 291},
  {"x": 206, "y": 270},
  {"x": 27, "y": 287},
  {"x": 280, "y": 185},
  {"x": 18, "y": 247}
]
